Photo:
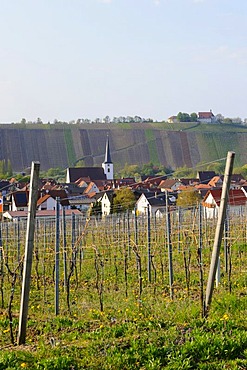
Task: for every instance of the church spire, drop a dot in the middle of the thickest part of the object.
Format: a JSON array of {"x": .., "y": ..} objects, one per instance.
[
  {"x": 107, "y": 152},
  {"x": 107, "y": 164}
]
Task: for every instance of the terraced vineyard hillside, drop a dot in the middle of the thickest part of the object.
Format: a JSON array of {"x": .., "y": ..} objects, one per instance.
[{"x": 173, "y": 145}]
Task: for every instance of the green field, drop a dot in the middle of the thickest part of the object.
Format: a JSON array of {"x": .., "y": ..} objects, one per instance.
[{"x": 116, "y": 313}]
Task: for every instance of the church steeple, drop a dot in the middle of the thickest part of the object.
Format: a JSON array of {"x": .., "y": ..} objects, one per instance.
[
  {"x": 107, "y": 152},
  {"x": 107, "y": 164}
]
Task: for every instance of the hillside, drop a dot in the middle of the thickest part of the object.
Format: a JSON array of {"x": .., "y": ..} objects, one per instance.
[{"x": 173, "y": 145}]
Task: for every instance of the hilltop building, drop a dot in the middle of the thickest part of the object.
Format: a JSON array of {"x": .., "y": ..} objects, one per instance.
[{"x": 206, "y": 117}]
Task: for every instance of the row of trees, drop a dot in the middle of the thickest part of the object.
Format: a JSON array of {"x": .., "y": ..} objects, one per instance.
[
  {"x": 81, "y": 121},
  {"x": 181, "y": 117},
  {"x": 147, "y": 169},
  {"x": 185, "y": 117}
]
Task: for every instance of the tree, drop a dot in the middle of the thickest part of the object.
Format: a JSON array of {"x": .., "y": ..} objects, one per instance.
[
  {"x": 193, "y": 117},
  {"x": 2, "y": 170},
  {"x": 183, "y": 117},
  {"x": 56, "y": 174},
  {"x": 219, "y": 118},
  {"x": 217, "y": 167},
  {"x": 129, "y": 170},
  {"x": 129, "y": 119},
  {"x": 242, "y": 170},
  {"x": 228, "y": 121},
  {"x": 9, "y": 171},
  {"x": 137, "y": 119},
  {"x": 149, "y": 169},
  {"x": 184, "y": 172},
  {"x": 39, "y": 121},
  {"x": 124, "y": 200},
  {"x": 188, "y": 198},
  {"x": 96, "y": 209},
  {"x": 107, "y": 119},
  {"x": 5, "y": 168}
]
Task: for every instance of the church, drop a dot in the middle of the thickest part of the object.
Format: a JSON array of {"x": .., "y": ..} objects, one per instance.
[{"x": 93, "y": 173}]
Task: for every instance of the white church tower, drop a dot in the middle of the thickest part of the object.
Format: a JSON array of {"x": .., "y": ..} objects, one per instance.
[{"x": 107, "y": 164}]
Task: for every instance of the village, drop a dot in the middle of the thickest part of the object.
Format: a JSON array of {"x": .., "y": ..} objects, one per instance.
[{"x": 86, "y": 187}]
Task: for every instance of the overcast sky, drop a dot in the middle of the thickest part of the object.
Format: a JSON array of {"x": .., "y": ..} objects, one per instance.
[{"x": 69, "y": 59}]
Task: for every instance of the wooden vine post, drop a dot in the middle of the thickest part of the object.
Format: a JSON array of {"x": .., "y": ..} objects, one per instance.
[
  {"x": 32, "y": 203},
  {"x": 219, "y": 231}
]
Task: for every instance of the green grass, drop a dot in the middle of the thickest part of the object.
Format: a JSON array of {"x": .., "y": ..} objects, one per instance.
[
  {"x": 133, "y": 331},
  {"x": 69, "y": 146},
  {"x": 134, "y": 341}
]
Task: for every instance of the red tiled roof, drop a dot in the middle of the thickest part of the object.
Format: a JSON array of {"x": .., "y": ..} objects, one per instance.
[
  {"x": 236, "y": 197},
  {"x": 205, "y": 115}
]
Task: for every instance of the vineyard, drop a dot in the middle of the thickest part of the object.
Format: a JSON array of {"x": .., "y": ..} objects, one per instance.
[
  {"x": 92, "y": 275},
  {"x": 172, "y": 145}
]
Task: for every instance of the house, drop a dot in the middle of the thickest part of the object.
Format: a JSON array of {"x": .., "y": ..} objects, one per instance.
[
  {"x": 172, "y": 119},
  {"x": 106, "y": 202},
  {"x": 19, "y": 201},
  {"x": 91, "y": 173},
  {"x": 206, "y": 117},
  {"x": 189, "y": 181},
  {"x": 205, "y": 176},
  {"x": 82, "y": 202},
  {"x": 155, "y": 202},
  {"x": 126, "y": 181},
  {"x": 91, "y": 188},
  {"x": 48, "y": 201},
  {"x": 211, "y": 202},
  {"x": 169, "y": 184}
]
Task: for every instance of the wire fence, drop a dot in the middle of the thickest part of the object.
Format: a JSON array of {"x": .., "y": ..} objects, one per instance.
[{"x": 105, "y": 262}]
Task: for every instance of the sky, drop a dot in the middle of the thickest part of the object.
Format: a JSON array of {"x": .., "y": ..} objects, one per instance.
[{"x": 70, "y": 59}]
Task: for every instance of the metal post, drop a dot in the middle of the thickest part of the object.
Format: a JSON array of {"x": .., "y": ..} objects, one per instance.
[
  {"x": 73, "y": 231},
  {"x": 169, "y": 243},
  {"x": 64, "y": 251},
  {"x": 219, "y": 230},
  {"x": 179, "y": 228},
  {"x": 33, "y": 197},
  {"x": 128, "y": 232},
  {"x": 226, "y": 241},
  {"x": 136, "y": 227},
  {"x": 18, "y": 240},
  {"x": 149, "y": 244},
  {"x": 57, "y": 257}
]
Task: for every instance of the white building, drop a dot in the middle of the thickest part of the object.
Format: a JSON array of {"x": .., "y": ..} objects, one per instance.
[
  {"x": 107, "y": 164},
  {"x": 211, "y": 202}
]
